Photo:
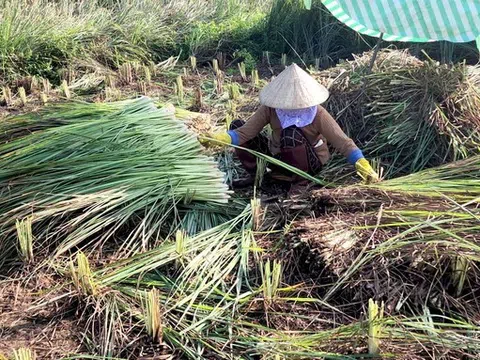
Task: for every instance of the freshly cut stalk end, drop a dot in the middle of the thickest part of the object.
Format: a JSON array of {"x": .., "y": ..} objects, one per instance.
[
  {"x": 219, "y": 81},
  {"x": 82, "y": 276},
  {"x": 147, "y": 74},
  {"x": 256, "y": 207},
  {"x": 142, "y": 87},
  {"x": 272, "y": 274},
  {"x": 233, "y": 91},
  {"x": 23, "y": 95},
  {"x": 43, "y": 98},
  {"x": 255, "y": 78},
  {"x": 375, "y": 314},
  {"x": 25, "y": 239},
  {"x": 193, "y": 63},
  {"x": 199, "y": 98},
  {"x": 179, "y": 89},
  {"x": 47, "y": 87},
  {"x": 215, "y": 66},
  {"x": 153, "y": 315},
  {"x": 259, "y": 175},
  {"x": 460, "y": 268},
  {"x": 7, "y": 95},
  {"x": 243, "y": 71},
  {"x": 23, "y": 354},
  {"x": 180, "y": 243},
  {"x": 65, "y": 90}
]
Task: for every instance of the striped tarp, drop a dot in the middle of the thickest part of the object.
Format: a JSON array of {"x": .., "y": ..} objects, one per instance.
[{"x": 410, "y": 20}]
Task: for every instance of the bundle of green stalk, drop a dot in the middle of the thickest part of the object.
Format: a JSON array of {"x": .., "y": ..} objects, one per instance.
[
  {"x": 121, "y": 175},
  {"x": 55, "y": 115},
  {"x": 212, "y": 296},
  {"x": 408, "y": 113},
  {"x": 431, "y": 189}
]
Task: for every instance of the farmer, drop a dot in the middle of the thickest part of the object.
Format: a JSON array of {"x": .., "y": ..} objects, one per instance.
[{"x": 301, "y": 129}]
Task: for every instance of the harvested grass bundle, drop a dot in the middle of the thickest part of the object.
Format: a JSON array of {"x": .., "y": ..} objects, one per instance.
[
  {"x": 412, "y": 114},
  {"x": 102, "y": 176}
]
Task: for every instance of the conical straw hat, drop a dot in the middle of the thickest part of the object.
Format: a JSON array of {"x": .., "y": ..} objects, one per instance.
[{"x": 293, "y": 88}]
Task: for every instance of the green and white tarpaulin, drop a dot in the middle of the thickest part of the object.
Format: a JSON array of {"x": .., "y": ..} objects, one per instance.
[{"x": 411, "y": 20}]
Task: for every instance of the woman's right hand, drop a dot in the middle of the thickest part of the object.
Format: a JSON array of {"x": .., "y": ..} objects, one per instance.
[{"x": 216, "y": 139}]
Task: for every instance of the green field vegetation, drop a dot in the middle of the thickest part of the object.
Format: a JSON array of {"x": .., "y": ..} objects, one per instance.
[
  {"x": 121, "y": 239},
  {"x": 46, "y": 38}
]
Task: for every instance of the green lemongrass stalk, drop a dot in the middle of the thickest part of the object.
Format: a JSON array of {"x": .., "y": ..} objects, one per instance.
[
  {"x": 284, "y": 60},
  {"x": 25, "y": 238},
  {"x": 23, "y": 354},
  {"x": 82, "y": 275},
  {"x": 153, "y": 315},
  {"x": 199, "y": 245},
  {"x": 375, "y": 315},
  {"x": 286, "y": 166},
  {"x": 458, "y": 180}
]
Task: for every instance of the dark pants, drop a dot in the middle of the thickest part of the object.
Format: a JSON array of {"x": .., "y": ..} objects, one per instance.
[{"x": 295, "y": 150}]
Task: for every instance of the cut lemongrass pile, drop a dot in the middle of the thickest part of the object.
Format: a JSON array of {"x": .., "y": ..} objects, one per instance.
[{"x": 93, "y": 179}]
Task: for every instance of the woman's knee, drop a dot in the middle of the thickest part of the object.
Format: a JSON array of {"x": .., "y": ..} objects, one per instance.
[{"x": 235, "y": 124}]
